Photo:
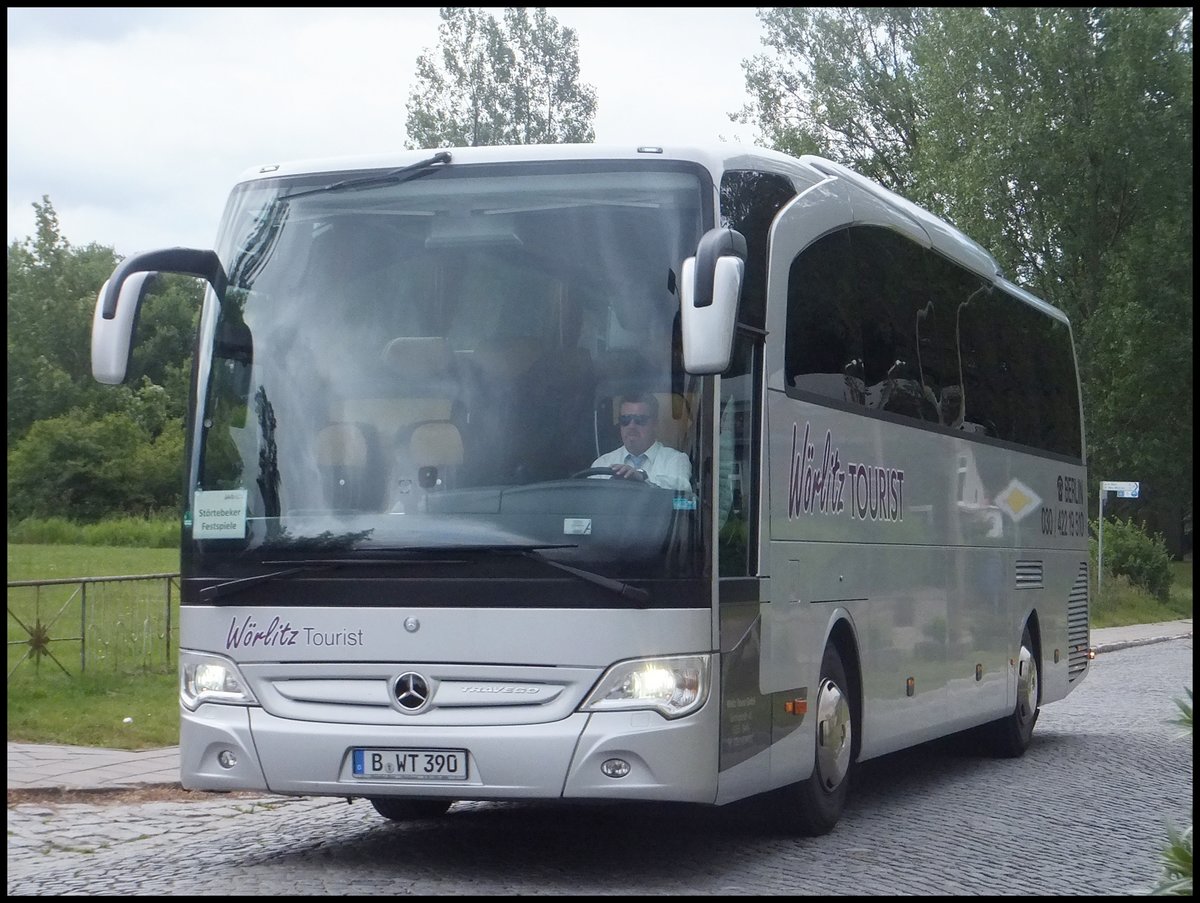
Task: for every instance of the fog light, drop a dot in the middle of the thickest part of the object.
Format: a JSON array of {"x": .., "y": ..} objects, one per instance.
[
  {"x": 615, "y": 768},
  {"x": 227, "y": 758}
]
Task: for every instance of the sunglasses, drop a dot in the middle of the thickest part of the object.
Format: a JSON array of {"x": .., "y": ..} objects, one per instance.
[{"x": 639, "y": 419}]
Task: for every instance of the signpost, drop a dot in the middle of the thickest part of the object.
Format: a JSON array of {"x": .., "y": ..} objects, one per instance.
[{"x": 1124, "y": 489}]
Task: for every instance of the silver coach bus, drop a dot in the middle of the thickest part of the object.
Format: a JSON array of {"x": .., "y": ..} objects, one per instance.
[{"x": 408, "y": 577}]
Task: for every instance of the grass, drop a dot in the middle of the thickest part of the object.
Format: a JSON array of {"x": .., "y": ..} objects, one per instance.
[
  {"x": 146, "y": 533},
  {"x": 1121, "y": 604},
  {"x": 125, "y": 621},
  {"x": 91, "y": 710},
  {"x": 54, "y": 562},
  {"x": 45, "y": 706}
]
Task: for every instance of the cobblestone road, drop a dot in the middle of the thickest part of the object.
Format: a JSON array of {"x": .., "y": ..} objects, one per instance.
[{"x": 1084, "y": 812}]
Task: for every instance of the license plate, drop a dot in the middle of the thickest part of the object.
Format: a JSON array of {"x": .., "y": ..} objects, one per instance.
[{"x": 411, "y": 764}]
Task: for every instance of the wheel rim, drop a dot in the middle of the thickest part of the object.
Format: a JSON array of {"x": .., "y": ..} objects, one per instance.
[
  {"x": 833, "y": 735},
  {"x": 1027, "y": 684}
]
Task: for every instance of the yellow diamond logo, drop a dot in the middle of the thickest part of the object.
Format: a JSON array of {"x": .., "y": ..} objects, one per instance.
[{"x": 1017, "y": 500}]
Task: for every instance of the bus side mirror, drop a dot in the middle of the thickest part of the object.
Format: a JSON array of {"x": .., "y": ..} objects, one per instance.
[
  {"x": 709, "y": 287},
  {"x": 121, "y": 297},
  {"x": 112, "y": 339}
]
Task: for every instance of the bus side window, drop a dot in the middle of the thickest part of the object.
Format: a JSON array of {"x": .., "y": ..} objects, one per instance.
[
  {"x": 823, "y": 352},
  {"x": 962, "y": 300}
]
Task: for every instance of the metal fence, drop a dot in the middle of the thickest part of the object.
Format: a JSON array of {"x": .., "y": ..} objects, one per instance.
[{"x": 92, "y": 624}]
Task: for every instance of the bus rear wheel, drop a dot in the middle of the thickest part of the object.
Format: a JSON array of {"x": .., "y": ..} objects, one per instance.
[
  {"x": 812, "y": 807},
  {"x": 409, "y": 810}
]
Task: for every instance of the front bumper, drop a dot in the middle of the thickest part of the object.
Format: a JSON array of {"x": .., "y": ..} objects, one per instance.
[{"x": 227, "y": 747}]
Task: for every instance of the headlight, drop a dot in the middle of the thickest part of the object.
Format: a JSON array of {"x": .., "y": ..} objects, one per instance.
[
  {"x": 673, "y": 686},
  {"x": 209, "y": 678}
]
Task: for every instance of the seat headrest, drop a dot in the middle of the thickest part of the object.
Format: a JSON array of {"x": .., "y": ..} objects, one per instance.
[
  {"x": 436, "y": 443},
  {"x": 419, "y": 356},
  {"x": 342, "y": 444}
]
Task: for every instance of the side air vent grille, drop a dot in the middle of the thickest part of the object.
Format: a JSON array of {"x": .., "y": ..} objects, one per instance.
[
  {"x": 1029, "y": 574},
  {"x": 1077, "y": 625}
]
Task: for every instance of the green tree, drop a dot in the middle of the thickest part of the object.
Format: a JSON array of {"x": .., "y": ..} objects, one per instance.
[
  {"x": 493, "y": 83},
  {"x": 78, "y": 449},
  {"x": 841, "y": 83},
  {"x": 166, "y": 328},
  {"x": 1061, "y": 140},
  {"x": 166, "y": 335},
  {"x": 77, "y": 467},
  {"x": 1065, "y": 138},
  {"x": 52, "y": 290}
]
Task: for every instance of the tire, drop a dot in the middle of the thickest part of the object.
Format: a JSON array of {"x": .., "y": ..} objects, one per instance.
[
  {"x": 812, "y": 807},
  {"x": 409, "y": 810},
  {"x": 1010, "y": 736}
]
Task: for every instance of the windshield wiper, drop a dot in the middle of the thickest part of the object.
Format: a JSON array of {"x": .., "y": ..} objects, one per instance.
[
  {"x": 529, "y": 551},
  {"x": 260, "y": 244},
  {"x": 308, "y": 565},
  {"x": 403, "y": 174},
  {"x": 210, "y": 593},
  {"x": 626, "y": 590},
  {"x": 534, "y": 552}
]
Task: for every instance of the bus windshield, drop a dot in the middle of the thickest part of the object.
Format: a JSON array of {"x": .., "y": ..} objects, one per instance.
[{"x": 435, "y": 361}]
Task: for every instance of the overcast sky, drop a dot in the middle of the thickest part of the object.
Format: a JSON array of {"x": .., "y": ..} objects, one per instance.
[{"x": 137, "y": 122}]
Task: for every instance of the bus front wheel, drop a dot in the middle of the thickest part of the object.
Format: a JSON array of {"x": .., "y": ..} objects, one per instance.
[
  {"x": 1010, "y": 736},
  {"x": 409, "y": 810},
  {"x": 813, "y": 806}
]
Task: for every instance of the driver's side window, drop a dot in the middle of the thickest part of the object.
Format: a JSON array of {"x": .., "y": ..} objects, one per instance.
[{"x": 735, "y": 474}]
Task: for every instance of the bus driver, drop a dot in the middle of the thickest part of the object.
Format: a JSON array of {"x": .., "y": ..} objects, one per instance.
[{"x": 641, "y": 456}]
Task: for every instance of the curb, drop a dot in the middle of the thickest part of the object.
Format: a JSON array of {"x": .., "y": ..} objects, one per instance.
[
  {"x": 1125, "y": 644},
  {"x": 70, "y": 793}
]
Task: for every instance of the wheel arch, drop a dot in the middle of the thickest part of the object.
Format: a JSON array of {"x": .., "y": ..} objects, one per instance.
[
  {"x": 844, "y": 639},
  {"x": 1035, "y": 634}
]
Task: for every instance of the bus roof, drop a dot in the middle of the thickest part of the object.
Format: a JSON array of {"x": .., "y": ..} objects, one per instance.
[{"x": 717, "y": 157}]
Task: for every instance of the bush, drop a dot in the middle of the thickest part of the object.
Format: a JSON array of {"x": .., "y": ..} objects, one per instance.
[
  {"x": 74, "y": 464},
  {"x": 1130, "y": 552},
  {"x": 46, "y": 531},
  {"x": 147, "y": 533},
  {"x": 160, "y": 533},
  {"x": 92, "y": 468},
  {"x": 1177, "y": 857}
]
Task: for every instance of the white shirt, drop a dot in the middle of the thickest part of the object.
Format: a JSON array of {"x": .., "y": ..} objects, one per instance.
[{"x": 664, "y": 467}]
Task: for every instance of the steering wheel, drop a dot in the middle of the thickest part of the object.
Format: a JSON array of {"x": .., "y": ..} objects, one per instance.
[
  {"x": 592, "y": 472},
  {"x": 607, "y": 472}
]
